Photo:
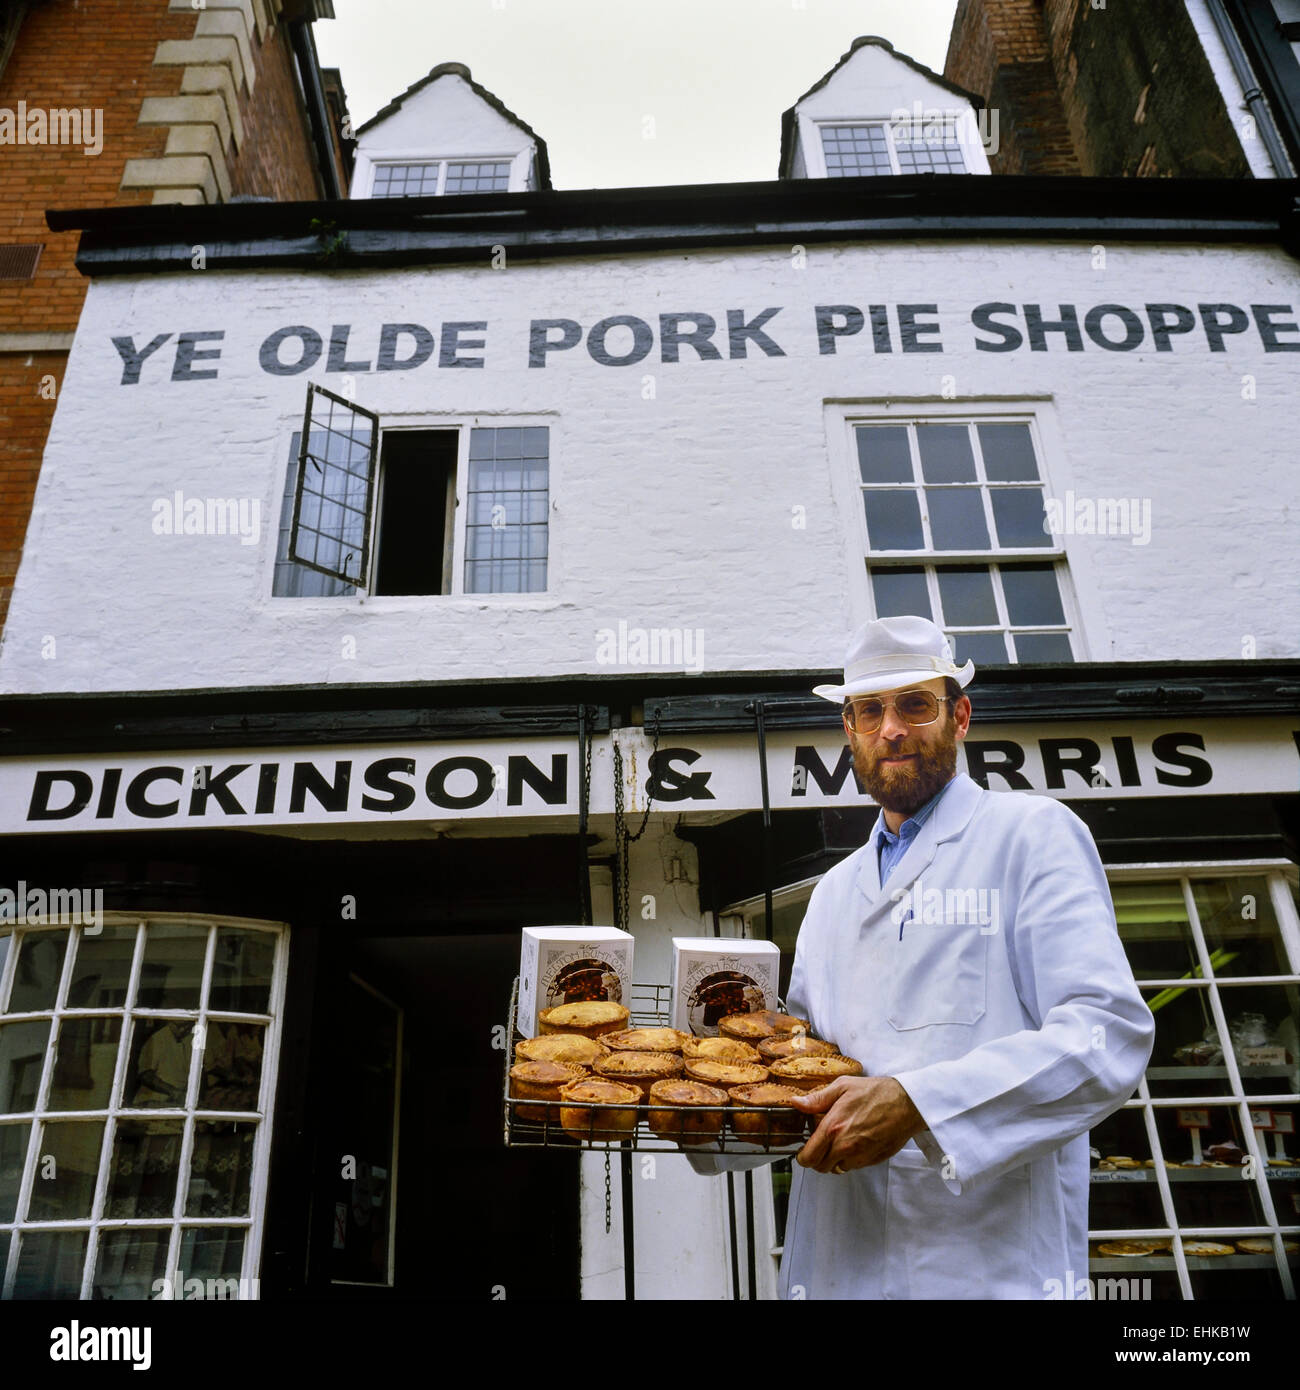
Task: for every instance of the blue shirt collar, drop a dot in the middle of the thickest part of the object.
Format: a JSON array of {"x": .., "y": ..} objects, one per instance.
[{"x": 908, "y": 829}]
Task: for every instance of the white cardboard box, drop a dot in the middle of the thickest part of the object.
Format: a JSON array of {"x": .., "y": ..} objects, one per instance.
[
  {"x": 563, "y": 965},
  {"x": 715, "y": 976}
]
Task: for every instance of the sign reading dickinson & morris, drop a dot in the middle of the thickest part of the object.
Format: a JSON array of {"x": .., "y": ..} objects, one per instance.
[{"x": 497, "y": 778}]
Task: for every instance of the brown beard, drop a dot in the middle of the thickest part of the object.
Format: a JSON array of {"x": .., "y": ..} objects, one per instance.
[{"x": 906, "y": 790}]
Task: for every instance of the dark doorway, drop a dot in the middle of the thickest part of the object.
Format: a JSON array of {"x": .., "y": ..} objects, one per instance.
[{"x": 470, "y": 1219}]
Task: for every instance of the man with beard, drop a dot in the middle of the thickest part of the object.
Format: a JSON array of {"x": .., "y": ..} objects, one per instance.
[{"x": 967, "y": 955}]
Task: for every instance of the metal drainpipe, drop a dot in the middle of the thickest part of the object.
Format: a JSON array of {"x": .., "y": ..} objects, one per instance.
[
  {"x": 1256, "y": 102},
  {"x": 317, "y": 108}
]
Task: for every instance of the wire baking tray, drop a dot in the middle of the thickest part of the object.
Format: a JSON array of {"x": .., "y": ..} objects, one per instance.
[{"x": 623, "y": 1127}]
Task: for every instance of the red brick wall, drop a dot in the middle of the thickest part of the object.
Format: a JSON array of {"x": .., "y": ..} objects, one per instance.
[
  {"x": 276, "y": 160},
  {"x": 24, "y": 423},
  {"x": 999, "y": 49},
  {"x": 99, "y": 53},
  {"x": 93, "y": 53},
  {"x": 1100, "y": 92}
]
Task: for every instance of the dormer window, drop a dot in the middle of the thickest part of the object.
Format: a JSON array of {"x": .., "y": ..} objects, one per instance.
[
  {"x": 441, "y": 177},
  {"x": 892, "y": 147}
]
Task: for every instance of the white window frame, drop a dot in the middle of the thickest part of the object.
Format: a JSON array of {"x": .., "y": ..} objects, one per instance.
[
  {"x": 1075, "y": 578},
  {"x": 1277, "y": 873},
  {"x": 392, "y": 421},
  {"x": 964, "y": 125},
  {"x": 263, "y": 1116},
  {"x": 516, "y": 162}
]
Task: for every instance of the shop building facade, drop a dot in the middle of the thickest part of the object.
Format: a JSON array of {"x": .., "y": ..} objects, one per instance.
[{"x": 468, "y": 567}]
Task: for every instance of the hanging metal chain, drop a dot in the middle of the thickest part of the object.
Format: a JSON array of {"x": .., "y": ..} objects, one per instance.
[
  {"x": 609, "y": 1209},
  {"x": 584, "y": 872},
  {"x": 623, "y": 837}
]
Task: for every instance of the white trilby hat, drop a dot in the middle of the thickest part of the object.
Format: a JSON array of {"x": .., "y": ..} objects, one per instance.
[{"x": 891, "y": 652}]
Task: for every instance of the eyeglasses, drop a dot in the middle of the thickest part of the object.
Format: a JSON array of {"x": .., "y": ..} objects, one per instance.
[{"x": 916, "y": 706}]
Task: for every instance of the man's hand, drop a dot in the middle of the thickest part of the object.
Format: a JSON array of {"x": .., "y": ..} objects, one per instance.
[{"x": 866, "y": 1119}]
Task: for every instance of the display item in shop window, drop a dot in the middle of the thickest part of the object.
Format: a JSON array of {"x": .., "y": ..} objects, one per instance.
[
  {"x": 163, "y": 1067},
  {"x": 957, "y": 1166}
]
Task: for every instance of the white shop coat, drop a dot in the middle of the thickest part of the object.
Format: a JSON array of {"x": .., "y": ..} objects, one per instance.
[{"x": 1013, "y": 1037}]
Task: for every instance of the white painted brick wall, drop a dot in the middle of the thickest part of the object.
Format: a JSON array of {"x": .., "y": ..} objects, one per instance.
[{"x": 674, "y": 511}]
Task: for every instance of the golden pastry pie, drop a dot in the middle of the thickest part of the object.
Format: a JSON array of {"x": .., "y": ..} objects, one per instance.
[
  {"x": 560, "y": 1047},
  {"x": 1128, "y": 1248},
  {"x": 700, "y": 1122},
  {"x": 719, "y": 1050},
  {"x": 762, "y": 1024},
  {"x": 1104, "y": 1167},
  {"x": 762, "y": 1113},
  {"x": 1262, "y": 1245},
  {"x": 1124, "y": 1163},
  {"x": 594, "y": 1108},
  {"x": 639, "y": 1069},
  {"x": 590, "y": 1017},
  {"x": 1206, "y": 1247},
  {"x": 812, "y": 1073},
  {"x": 725, "y": 1074},
  {"x": 541, "y": 1081},
  {"x": 783, "y": 1045},
  {"x": 645, "y": 1040}
]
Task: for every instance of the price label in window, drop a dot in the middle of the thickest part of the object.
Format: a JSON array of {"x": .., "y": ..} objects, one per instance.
[
  {"x": 1283, "y": 1122},
  {"x": 1193, "y": 1119},
  {"x": 1261, "y": 1119}
]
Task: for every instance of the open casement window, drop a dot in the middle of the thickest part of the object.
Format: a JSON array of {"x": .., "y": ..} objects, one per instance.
[
  {"x": 334, "y": 494},
  {"x": 378, "y": 509}
]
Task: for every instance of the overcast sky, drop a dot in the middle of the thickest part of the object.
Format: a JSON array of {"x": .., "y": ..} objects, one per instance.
[{"x": 627, "y": 93}]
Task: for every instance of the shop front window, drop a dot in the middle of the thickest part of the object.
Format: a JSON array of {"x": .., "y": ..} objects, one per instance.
[
  {"x": 1195, "y": 1187},
  {"x": 136, "y": 1078}
]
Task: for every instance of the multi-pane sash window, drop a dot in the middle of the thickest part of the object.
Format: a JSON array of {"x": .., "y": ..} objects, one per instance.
[
  {"x": 505, "y": 534},
  {"x": 374, "y": 509},
  {"x": 136, "y": 1077},
  {"x": 964, "y": 500},
  {"x": 888, "y": 147},
  {"x": 441, "y": 177}
]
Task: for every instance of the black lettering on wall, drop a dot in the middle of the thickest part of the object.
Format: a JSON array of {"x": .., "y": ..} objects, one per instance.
[
  {"x": 909, "y": 330},
  {"x": 1010, "y": 337},
  {"x": 740, "y": 334},
  {"x": 1167, "y": 749},
  {"x": 268, "y": 355},
  {"x": 187, "y": 353},
  {"x": 672, "y": 336},
  {"x": 388, "y": 360},
  {"x": 43, "y": 784},
  {"x": 540, "y": 342},
  {"x": 139, "y": 805},
  {"x": 1078, "y": 755},
  {"x": 214, "y": 785},
  {"x": 133, "y": 358},
  {"x": 521, "y": 770},
  {"x": 1133, "y": 330},
  {"x": 451, "y": 346},
  {"x": 435, "y": 785},
  {"x": 828, "y": 329},
  {"x": 643, "y": 340},
  {"x": 830, "y": 781},
  {"x": 997, "y": 758},
  {"x": 381, "y": 776},
  {"x": 330, "y": 796}
]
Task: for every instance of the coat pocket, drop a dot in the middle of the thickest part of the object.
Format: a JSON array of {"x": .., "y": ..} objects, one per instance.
[{"x": 941, "y": 975}]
